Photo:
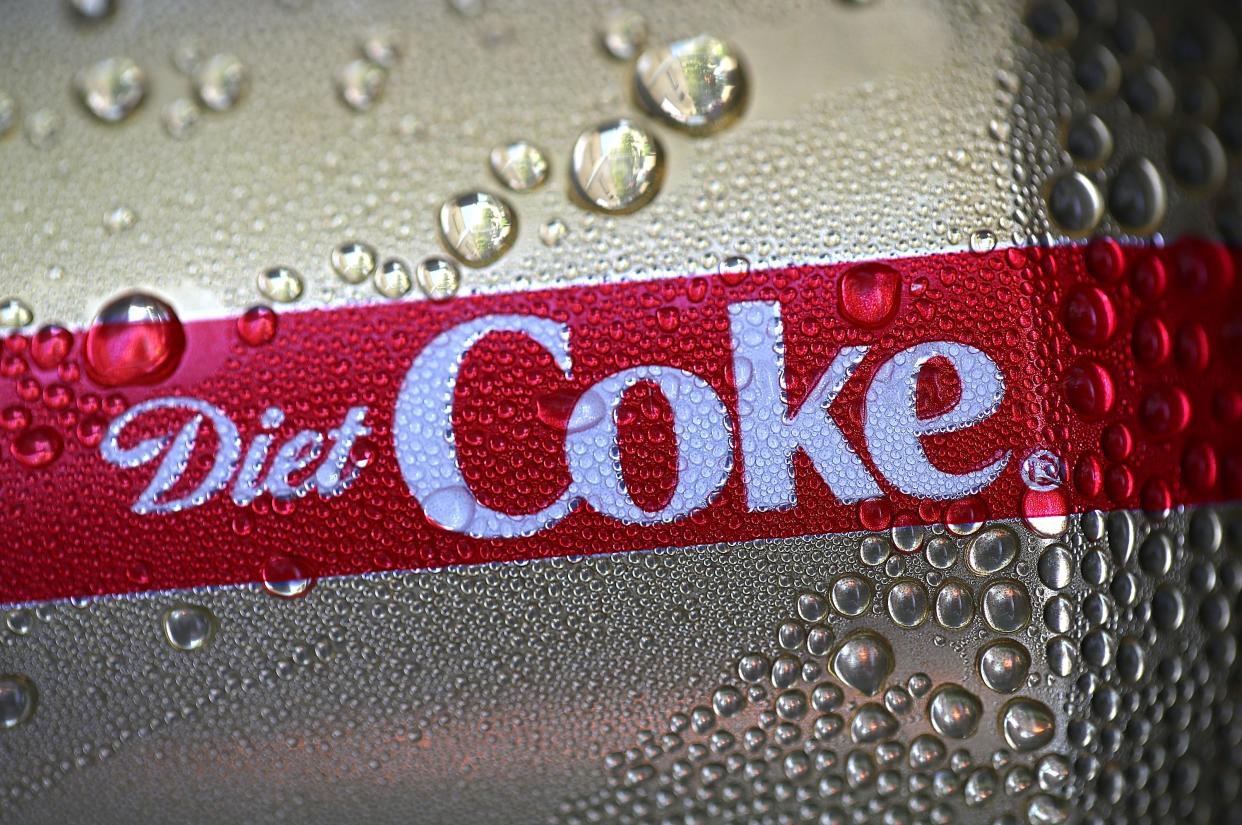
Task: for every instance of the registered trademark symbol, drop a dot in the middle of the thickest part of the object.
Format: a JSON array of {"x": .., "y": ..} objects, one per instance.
[{"x": 1043, "y": 470}]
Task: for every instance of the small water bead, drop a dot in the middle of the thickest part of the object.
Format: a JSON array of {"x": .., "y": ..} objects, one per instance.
[
  {"x": 874, "y": 550},
  {"x": 360, "y": 83},
  {"x": 189, "y": 627},
  {"x": 908, "y": 538},
  {"x": 1197, "y": 159},
  {"x": 92, "y": 10},
  {"x": 1089, "y": 141},
  {"x": 955, "y": 604},
  {"x": 942, "y": 552},
  {"x": 819, "y": 640},
  {"x": 791, "y": 635},
  {"x": 791, "y": 705},
  {"x": 728, "y": 701},
  {"x": 520, "y": 166},
  {"x": 280, "y": 283},
  {"x": 477, "y": 228},
  {"x": 1075, "y": 203},
  {"x": 863, "y": 661},
  {"x": 220, "y": 81},
  {"x": 785, "y": 672},
  {"x": 871, "y": 723},
  {"x": 1027, "y": 724},
  {"x": 1056, "y": 566},
  {"x": 119, "y": 219},
  {"x": 134, "y": 339},
  {"x": 112, "y": 88},
  {"x": 1003, "y": 665},
  {"x": 393, "y": 278},
  {"x": 179, "y": 118},
  {"x": 287, "y": 577},
  {"x": 869, "y": 294},
  {"x": 14, "y": 313},
  {"x": 811, "y": 607},
  {"x": 752, "y": 668},
  {"x": 18, "y": 698},
  {"x": 1062, "y": 656},
  {"x": 982, "y": 240},
  {"x": 907, "y": 603},
  {"x": 1148, "y": 92},
  {"x": 1059, "y": 614},
  {"x": 954, "y": 711},
  {"x": 257, "y": 325},
  {"x": 925, "y": 751},
  {"x": 981, "y": 786},
  {"x": 1046, "y": 810},
  {"x": 354, "y": 261},
  {"x": 992, "y": 550},
  {"x": 1052, "y": 22},
  {"x": 1136, "y": 197},
  {"x": 19, "y": 622},
  {"x": 623, "y": 34},
  {"x": 8, "y": 113},
  {"x": 438, "y": 278},
  {"x": 697, "y": 84},
  {"x": 552, "y": 232},
  {"x": 1006, "y": 606},
  {"x": 898, "y": 700},
  {"x": 1204, "y": 531},
  {"x": 827, "y": 697},
  {"x": 43, "y": 128},
  {"x": 381, "y": 47},
  {"x": 617, "y": 166},
  {"x": 851, "y": 595}
]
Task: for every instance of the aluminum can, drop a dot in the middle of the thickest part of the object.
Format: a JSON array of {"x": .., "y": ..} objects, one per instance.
[{"x": 620, "y": 412}]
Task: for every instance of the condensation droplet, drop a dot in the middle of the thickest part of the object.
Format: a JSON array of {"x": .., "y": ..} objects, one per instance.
[{"x": 281, "y": 284}]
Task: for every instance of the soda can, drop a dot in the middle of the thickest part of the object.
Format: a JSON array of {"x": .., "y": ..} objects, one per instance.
[{"x": 512, "y": 411}]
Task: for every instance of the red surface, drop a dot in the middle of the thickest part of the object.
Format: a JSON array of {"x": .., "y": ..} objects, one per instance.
[{"x": 1127, "y": 362}]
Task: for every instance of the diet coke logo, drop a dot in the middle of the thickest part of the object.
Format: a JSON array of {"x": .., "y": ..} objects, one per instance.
[{"x": 758, "y": 438}]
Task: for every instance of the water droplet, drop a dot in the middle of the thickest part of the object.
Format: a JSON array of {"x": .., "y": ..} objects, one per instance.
[
  {"x": 1136, "y": 197},
  {"x": 18, "y": 698},
  {"x": 1088, "y": 140},
  {"x": 393, "y": 278},
  {"x": 14, "y": 313},
  {"x": 438, "y": 278},
  {"x": 955, "y": 604},
  {"x": 1027, "y": 724},
  {"x": 134, "y": 339},
  {"x": 1075, "y": 204},
  {"x": 353, "y": 261},
  {"x": 37, "y": 447},
  {"x": 623, "y": 34},
  {"x": 257, "y": 325},
  {"x": 869, "y": 295},
  {"x": 871, "y": 723},
  {"x": 553, "y": 232},
  {"x": 519, "y": 165},
  {"x": 851, "y": 595},
  {"x": 92, "y": 9},
  {"x": 380, "y": 46},
  {"x": 220, "y": 81},
  {"x": 112, "y": 88},
  {"x": 179, "y": 118},
  {"x": 43, "y": 128},
  {"x": 863, "y": 661},
  {"x": 907, "y": 603},
  {"x": 287, "y": 577},
  {"x": 477, "y": 228},
  {"x": 360, "y": 84},
  {"x": 120, "y": 219},
  {"x": 982, "y": 240},
  {"x": 992, "y": 550},
  {"x": 280, "y": 283},
  {"x": 1003, "y": 665},
  {"x": 617, "y": 166},
  {"x": 954, "y": 711},
  {"x": 697, "y": 84},
  {"x": 189, "y": 627},
  {"x": 1006, "y": 606},
  {"x": 8, "y": 113}
]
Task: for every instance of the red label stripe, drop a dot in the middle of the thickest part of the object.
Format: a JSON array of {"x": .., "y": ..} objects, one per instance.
[{"x": 1039, "y": 382}]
